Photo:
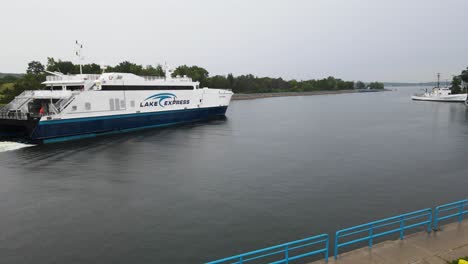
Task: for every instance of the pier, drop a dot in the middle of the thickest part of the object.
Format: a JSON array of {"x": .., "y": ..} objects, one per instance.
[
  {"x": 439, "y": 243},
  {"x": 440, "y": 247}
]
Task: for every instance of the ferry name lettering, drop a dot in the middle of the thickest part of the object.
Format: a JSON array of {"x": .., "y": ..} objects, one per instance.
[{"x": 162, "y": 100}]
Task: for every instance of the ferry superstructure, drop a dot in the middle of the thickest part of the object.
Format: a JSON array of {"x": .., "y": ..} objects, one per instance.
[{"x": 86, "y": 105}]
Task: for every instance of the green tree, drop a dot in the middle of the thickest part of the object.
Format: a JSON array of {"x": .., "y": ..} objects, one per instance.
[
  {"x": 29, "y": 81},
  {"x": 35, "y": 67},
  {"x": 218, "y": 81},
  {"x": 464, "y": 78},
  {"x": 65, "y": 67},
  {"x": 149, "y": 70},
  {"x": 230, "y": 79},
  {"x": 8, "y": 79},
  {"x": 456, "y": 85},
  {"x": 127, "y": 67},
  {"x": 198, "y": 74},
  {"x": 464, "y": 75},
  {"x": 360, "y": 85},
  {"x": 92, "y": 68},
  {"x": 376, "y": 85}
]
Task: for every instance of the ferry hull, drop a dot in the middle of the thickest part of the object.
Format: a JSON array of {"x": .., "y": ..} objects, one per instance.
[{"x": 50, "y": 131}]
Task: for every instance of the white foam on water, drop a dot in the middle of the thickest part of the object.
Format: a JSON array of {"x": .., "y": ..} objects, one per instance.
[{"x": 10, "y": 145}]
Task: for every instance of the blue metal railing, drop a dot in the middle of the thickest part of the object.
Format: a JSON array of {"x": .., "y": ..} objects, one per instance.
[
  {"x": 371, "y": 230},
  {"x": 286, "y": 252},
  {"x": 455, "y": 209}
]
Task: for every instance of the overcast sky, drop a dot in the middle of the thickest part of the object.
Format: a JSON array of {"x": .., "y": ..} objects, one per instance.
[{"x": 392, "y": 40}]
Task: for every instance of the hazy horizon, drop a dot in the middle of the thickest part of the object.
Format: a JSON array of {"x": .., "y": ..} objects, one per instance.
[{"x": 391, "y": 41}]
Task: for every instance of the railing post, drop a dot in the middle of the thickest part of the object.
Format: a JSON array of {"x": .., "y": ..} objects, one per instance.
[
  {"x": 371, "y": 234},
  {"x": 436, "y": 219},
  {"x": 460, "y": 216},
  {"x": 402, "y": 227},
  {"x": 286, "y": 254},
  {"x": 240, "y": 260},
  {"x": 336, "y": 245},
  {"x": 429, "y": 225},
  {"x": 326, "y": 250}
]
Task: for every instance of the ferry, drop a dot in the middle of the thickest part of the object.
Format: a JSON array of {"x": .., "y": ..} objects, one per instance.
[{"x": 87, "y": 105}]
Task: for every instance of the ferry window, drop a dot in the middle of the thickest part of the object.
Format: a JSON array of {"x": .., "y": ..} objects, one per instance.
[
  {"x": 145, "y": 87},
  {"x": 122, "y": 104},
  {"x": 132, "y": 103},
  {"x": 88, "y": 106},
  {"x": 74, "y": 108},
  {"x": 198, "y": 86},
  {"x": 111, "y": 104},
  {"x": 117, "y": 104},
  {"x": 74, "y": 87},
  {"x": 56, "y": 88}
]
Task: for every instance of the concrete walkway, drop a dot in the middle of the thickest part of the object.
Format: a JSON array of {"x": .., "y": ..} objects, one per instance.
[{"x": 450, "y": 243}]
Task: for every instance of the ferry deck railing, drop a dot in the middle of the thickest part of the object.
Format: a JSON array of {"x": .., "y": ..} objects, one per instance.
[
  {"x": 285, "y": 252},
  {"x": 450, "y": 210},
  {"x": 152, "y": 78},
  {"x": 17, "y": 115},
  {"x": 76, "y": 77},
  {"x": 382, "y": 228}
]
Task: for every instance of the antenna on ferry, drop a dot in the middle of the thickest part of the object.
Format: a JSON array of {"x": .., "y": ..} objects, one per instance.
[
  {"x": 79, "y": 48},
  {"x": 167, "y": 71}
]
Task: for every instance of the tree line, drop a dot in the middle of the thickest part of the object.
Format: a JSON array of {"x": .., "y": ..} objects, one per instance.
[
  {"x": 35, "y": 74},
  {"x": 456, "y": 85}
]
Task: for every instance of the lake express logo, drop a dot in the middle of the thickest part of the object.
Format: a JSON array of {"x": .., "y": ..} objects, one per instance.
[{"x": 163, "y": 99}]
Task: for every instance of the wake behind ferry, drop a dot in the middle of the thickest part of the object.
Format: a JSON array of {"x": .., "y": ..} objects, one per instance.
[{"x": 86, "y": 105}]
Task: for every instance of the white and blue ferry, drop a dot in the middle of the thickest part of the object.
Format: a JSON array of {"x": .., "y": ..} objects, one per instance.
[{"x": 85, "y": 105}]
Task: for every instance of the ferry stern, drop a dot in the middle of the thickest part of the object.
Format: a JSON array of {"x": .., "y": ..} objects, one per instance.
[
  {"x": 20, "y": 118},
  {"x": 20, "y": 126}
]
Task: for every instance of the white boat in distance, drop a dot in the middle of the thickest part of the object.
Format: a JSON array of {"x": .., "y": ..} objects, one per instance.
[
  {"x": 85, "y": 105},
  {"x": 439, "y": 94}
]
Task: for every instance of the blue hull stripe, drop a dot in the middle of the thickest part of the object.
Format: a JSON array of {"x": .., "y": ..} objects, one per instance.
[
  {"x": 81, "y": 119},
  {"x": 70, "y": 129},
  {"x": 92, "y": 135}
]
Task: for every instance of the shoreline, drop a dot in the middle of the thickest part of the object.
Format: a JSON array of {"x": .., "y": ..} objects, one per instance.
[{"x": 251, "y": 96}]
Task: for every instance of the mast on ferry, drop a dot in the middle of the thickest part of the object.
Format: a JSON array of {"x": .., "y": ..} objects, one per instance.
[{"x": 79, "y": 48}]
